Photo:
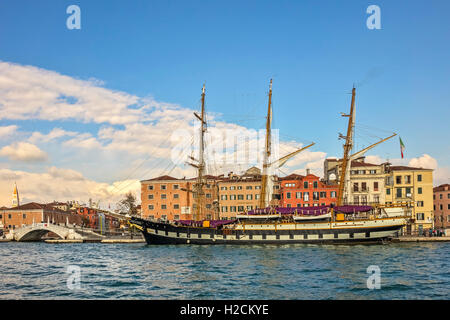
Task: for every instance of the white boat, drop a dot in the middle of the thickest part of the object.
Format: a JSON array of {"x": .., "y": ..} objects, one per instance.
[{"x": 311, "y": 217}]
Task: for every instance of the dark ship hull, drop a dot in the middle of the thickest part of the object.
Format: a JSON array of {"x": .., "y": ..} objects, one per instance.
[{"x": 363, "y": 231}]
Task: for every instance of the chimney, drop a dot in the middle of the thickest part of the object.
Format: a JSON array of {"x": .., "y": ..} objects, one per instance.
[{"x": 307, "y": 171}]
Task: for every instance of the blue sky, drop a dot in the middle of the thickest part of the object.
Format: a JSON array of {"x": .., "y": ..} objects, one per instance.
[{"x": 314, "y": 50}]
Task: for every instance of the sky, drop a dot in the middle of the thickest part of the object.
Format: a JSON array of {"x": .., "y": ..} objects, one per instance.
[{"x": 87, "y": 113}]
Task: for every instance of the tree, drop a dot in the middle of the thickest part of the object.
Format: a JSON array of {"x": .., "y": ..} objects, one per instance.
[{"x": 128, "y": 205}]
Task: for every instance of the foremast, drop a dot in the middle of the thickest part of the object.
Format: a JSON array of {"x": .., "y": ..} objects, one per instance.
[{"x": 197, "y": 190}]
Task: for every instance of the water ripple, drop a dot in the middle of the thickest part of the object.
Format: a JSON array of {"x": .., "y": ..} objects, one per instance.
[{"x": 304, "y": 271}]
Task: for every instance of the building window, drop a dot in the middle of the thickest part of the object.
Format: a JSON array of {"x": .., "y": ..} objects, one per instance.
[
  {"x": 288, "y": 205},
  {"x": 163, "y": 187},
  {"x": 398, "y": 179},
  {"x": 239, "y": 187},
  {"x": 356, "y": 200},
  {"x": 315, "y": 196},
  {"x": 256, "y": 196},
  {"x": 376, "y": 199},
  {"x": 249, "y": 207},
  {"x": 24, "y": 216},
  {"x": 150, "y": 207},
  {"x": 240, "y": 208},
  {"x": 232, "y": 197},
  {"x": 420, "y": 203},
  {"x": 164, "y": 217},
  {"x": 408, "y": 179},
  {"x": 448, "y": 207},
  {"x": 233, "y": 209},
  {"x": 355, "y": 187},
  {"x": 440, "y": 207},
  {"x": 240, "y": 197},
  {"x": 208, "y": 206},
  {"x": 176, "y": 206},
  {"x": 163, "y": 206},
  {"x": 373, "y": 171},
  {"x": 232, "y": 187},
  {"x": 323, "y": 194},
  {"x": 150, "y": 197},
  {"x": 176, "y": 196},
  {"x": 363, "y": 186},
  {"x": 419, "y": 190},
  {"x": 440, "y": 196},
  {"x": 388, "y": 191},
  {"x": 150, "y": 187},
  {"x": 288, "y": 195},
  {"x": 208, "y": 195},
  {"x": 333, "y": 194},
  {"x": 299, "y": 205},
  {"x": 223, "y": 197},
  {"x": 9, "y": 216},
  {"x": 257, "y": 187},
  {"x": 408, "y": 192},
  {"x": 249, "y": 197},
  {"x": 163, "y": 196},
  {"x": 419, "y": 177},
  {"x": 223, "y": 188},
  {"x": 298, "y": 195},
  {"x": 315, "y": 184},
  {"x": 176, "y": 217},
  {"x": 175, "y": 187},
  {"x": 420, "y": 216},
  {"x": 248, "y": 187},
  {"x": 399, "y": 192},
  {"x": 305, "y": 196},
  {"x": 375, "y": 186},
  {"x": 224, "y": 209},
  {"x": 305, "y": 184}
]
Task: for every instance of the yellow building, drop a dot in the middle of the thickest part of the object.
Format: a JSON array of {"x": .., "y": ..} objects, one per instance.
[{"x": 413, "y": 185}]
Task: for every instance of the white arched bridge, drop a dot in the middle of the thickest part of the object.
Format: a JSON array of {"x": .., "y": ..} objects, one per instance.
[{"x": 36, "y": 231}]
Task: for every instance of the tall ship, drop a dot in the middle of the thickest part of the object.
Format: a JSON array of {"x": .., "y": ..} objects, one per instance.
[{"x": 339, "y": 223}]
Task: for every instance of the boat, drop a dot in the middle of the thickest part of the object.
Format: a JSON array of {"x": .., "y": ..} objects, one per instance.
[{"x": 340, "y": 223}]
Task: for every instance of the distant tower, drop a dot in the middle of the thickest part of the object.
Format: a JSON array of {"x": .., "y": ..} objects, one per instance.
[{"x": 15, "y": 201}]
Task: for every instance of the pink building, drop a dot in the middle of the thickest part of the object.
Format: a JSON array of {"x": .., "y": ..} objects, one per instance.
[{"x": 441, "y": 201}]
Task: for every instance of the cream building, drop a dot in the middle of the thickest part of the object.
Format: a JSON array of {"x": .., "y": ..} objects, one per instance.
[
  {"x": 387, "y": 184},
  {"x": 366, "y": 180}
]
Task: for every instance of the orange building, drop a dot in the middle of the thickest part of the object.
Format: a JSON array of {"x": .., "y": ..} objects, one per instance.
[
  {"x": 169, "y": 198},
  {"x": 306, "y": 191},
  {"x": 27, "y": 214}
]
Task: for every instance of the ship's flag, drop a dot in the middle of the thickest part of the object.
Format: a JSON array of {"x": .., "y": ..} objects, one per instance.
[{"x": 402, "y": 146}]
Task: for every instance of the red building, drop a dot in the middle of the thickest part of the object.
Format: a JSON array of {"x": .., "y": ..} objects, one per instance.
[{"x": 306, "y": 191}]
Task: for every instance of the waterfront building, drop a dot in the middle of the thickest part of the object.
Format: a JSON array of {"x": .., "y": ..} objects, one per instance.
[
  {"x": 29, "y": 213},
  {"x": 413, "y": 186},
  {"x": 387, "y": 184},
  {"x": 169, "y": 198},
  {"x": 441, "y": 206},
  {"x": 366, "y": 180},
  {"x": 306, "y": 191},
  {"x": 240, "y": 193}
]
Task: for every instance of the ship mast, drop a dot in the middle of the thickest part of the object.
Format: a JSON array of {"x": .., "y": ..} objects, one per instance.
[
  {"x": 267, "y": 152},
  {"x": 197, "y": 192},
  {"x": 347, "y": 147}
]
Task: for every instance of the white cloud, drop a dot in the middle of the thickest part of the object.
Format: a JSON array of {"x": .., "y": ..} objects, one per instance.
[
  {"x": 425, "y": 161},
  {"x": 7, "y": 131},
  {"x": 62, "y": 185},
  {"x": 28, "y": 92},
  {"x": 56, "y": 133},
  {"x": 23, "y": 151}
]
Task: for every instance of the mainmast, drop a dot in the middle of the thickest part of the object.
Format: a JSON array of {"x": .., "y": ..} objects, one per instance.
[
  {"x": 265, "y": 183},
  {"x": 347, "y": 147}
]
